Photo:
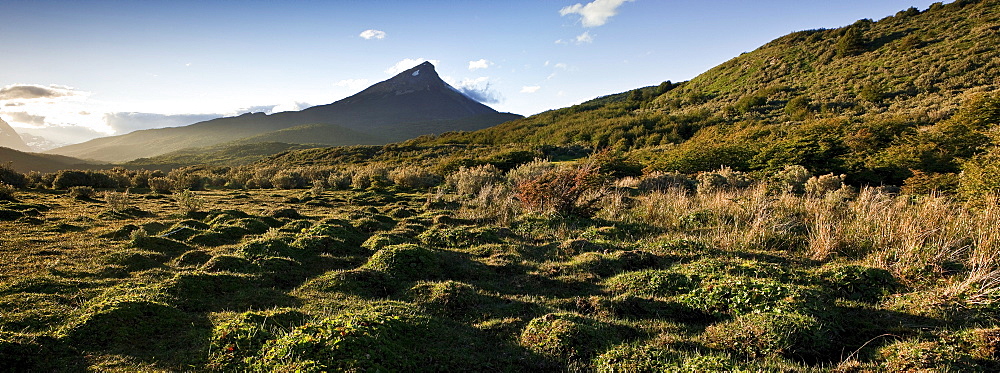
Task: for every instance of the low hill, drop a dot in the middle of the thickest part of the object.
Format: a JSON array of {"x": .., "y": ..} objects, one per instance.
[
  {"x": 408, "y": 105},
  {"x": 26, "y": 162}
]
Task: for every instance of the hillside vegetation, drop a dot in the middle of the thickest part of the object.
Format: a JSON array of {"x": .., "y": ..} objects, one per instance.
[{"x": 874, "y": 100}]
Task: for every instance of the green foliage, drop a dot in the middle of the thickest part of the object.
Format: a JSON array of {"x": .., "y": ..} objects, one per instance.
[
  {"x": 651, "y": 282},
  {"x": 852, "y": 42},
  {"x": 635, "y": 357},
  {"x": 739, "y": 296},
  {"x": 766, "y": 334},
  {"x": 857, "y": 283},
  {"x": 236, "y": 341},
  {"x": 917, "y": 355}
]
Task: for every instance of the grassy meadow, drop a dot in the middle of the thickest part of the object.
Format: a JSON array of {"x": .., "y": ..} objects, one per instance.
[{"x": 544, "y": 267}]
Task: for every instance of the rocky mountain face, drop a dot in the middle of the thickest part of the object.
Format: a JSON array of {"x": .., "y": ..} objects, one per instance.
[
  {"x": 413, "y": 103},
  {"x": 9, "y": 138}
]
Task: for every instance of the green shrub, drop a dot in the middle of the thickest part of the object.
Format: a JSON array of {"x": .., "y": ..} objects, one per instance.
[
  {"x": 118, "y": 202},
  {"x": 70, "y": 178},
  {"x": 658, "y": 181},
  {"x": 81, "y": 192},
  {"x": 564, "y": 336},
  {"x": 765, "y": 334},
  {"x": 413, "y": 177},
  {"x": 10, "y": 177},
  {"x": 160, "y": 184},
  {"x": 7, "y": 192},
  {"x": 470, "y": 180},
  {"x": 188, "y": 201},
  {"x": 651, "y": 283}
]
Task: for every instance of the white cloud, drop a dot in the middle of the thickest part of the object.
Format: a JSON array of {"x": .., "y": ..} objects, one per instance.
[
  {"x": 372, "y": 34},
  {"x": 595, "y": 13},
  {"x": 352, "y": 83},
  {"x": 584, "y": 38},
  {"x": 406, "y": 64},
  {"x": 561, "y": 66},
  {"x": 481, "y": 64},
  {"x": 530, "y": 89},
  {"x": 478, "y": 89}
]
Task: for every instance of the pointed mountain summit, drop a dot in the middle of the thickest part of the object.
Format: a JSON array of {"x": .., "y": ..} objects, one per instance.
[
  {"x": 9, "y": 138},
  {"x": 414, "y": 102}
]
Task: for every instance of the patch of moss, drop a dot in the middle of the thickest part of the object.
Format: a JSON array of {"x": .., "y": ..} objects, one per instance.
[
  {"x": 38, "y": 354},
  {"x": 379, "y": 241},
  {"x": 407, "y": 262},
  {"x": 854, "y": 282},
  {"x": 161, "y": 245},
  {"x": 461, "y": 236},
  {"x": 362, "y": 282},
  {"x": 635, "y": 357},
  {"x": 133, "y": 260},
  {"x": 925, "y": 355},
  {"x": 193, "y": 258},
  {"x": 448, "y": 298},
  {"x": 742, "y": 295},
  {"x": 199, "y": 292},
  {"x": 229, "y": 263}
]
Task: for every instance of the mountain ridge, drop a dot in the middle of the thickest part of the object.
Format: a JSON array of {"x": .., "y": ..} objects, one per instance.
[{"x": 382, "y": 113}]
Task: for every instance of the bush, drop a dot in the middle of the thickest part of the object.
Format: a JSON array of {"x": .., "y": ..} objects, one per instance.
[
  {"x": 658, "y": 181},
  {"x": 413, "y": 177},
  {"x": 470, "y": 180},
  {"x": 567, "y": 191},
  {"x": 81, "y": 192},
  {"x": 10, "y": 177},
  {"x": 792, "y": 179},
  {"x": 823, "y": 184},
  {"x": 529, "y": 171},
  {"x": 118, "y": 202},
  {"x": 286, "y": 179},
  {"x": 188, "y": 201},
  {"x": 70, "y": 178},
  {"x": 370, "y": 176},
  {"x": 160, "y": 184},
  {"x": 767, "y": 334},
  {"x": 7, "y": 192}
]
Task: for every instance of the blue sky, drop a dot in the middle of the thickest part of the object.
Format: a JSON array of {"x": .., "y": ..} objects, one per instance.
[{"x": 74, "y": 70}]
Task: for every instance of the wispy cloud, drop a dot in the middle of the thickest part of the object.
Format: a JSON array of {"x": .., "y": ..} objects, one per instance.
[
  {"x": 480, "y": 64},
  {"x": 479, "y": 89},
  {"x": 530, "y": 89},
  {"x": 26, "y": 118},
  {"x": 584, "y": 38},
  {"x": 595, "y": 13},
  {"x": 406, "y": 64},
  {"x": 372, "y": 34},
  {"x": 352, "y": 83}
]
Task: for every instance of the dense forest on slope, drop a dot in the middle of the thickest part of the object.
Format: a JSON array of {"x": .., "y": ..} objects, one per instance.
[{"x": 874, "y": 100}]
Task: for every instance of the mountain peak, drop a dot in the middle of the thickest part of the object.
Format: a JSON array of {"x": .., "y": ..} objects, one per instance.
[{"x": 422, "y": 77}]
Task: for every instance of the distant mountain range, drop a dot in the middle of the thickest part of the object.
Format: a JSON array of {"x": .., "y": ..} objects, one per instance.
[{"x": 413, "y": 103}]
